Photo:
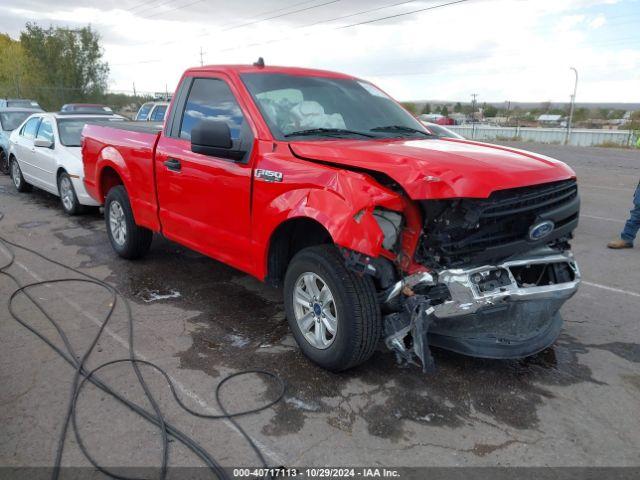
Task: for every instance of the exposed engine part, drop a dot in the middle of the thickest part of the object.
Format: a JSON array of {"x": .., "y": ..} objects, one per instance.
[
  {"x": 420, "y": 278},
  {"x": 380, "y": 268},
  {"x": 390, "y": 223},
  {"x": 469, "y": 232},
  {"x": 406, "y": 332}
]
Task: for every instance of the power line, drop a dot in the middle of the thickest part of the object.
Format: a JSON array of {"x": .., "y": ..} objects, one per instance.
[
  {"x": 405, "y": 13},
  {"x": 180, "y": 7}
]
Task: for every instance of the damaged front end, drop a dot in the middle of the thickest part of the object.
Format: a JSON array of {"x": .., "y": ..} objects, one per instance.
[
  {"x": 506, "y": 310},
  {"x": 497, "y": 272}
]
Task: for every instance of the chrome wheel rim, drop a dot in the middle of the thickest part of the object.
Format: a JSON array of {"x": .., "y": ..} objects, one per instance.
[
  {"x": 15, "y": 173},
  {"x": 66, "y": 193},
  {"x": 315, "y": 310},
  {"x": 117, "y": 223}
]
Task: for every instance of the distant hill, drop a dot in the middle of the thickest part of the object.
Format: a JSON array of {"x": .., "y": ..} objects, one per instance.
[{"x": 528, "y": 105}]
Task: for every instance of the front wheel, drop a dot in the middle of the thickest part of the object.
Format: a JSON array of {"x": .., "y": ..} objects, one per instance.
[
  {"x": 18, "y": 180},
  {"x": 128, "y": 239},
  {"x": 332, "y": 311}
]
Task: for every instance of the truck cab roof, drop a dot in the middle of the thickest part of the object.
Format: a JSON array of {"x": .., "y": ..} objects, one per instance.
[{"x": 240, "y": 69}]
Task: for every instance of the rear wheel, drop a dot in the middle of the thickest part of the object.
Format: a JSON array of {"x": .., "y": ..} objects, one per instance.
[
  {"x": 332, "y": 311},
  {"x": 18, "y": 180},
  {"x": 68, "y": 197},
  {"x": 127, "y": 239}
]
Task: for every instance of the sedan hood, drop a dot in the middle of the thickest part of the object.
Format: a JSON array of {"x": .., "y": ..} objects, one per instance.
[{"x": 439, "y": 168}]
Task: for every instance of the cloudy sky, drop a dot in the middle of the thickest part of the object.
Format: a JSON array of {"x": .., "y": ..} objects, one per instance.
[{"x": 519, "y": 50}]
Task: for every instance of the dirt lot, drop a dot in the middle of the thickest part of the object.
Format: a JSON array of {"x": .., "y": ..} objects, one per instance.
[{"x": 577, "y": 403}]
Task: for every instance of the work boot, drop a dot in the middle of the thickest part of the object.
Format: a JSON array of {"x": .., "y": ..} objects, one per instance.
[{"x": 618, "y": 244}]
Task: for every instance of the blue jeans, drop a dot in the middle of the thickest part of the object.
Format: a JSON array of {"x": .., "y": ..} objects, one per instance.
[{"x": 632, "y": 226}]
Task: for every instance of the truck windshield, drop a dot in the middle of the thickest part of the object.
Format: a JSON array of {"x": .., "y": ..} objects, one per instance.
[
  {"x": 11, "y": 120},
  {"x": 326, "y": 107}
]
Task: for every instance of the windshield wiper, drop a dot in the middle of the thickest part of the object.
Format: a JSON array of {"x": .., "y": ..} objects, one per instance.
[
  {"x": 328, "y": 131},
  {"x": 400, "y": 128}
]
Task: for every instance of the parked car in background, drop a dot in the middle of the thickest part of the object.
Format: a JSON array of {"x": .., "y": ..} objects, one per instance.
[
  {"x": 152, "y": 112},
  {"x": 92, "y": 108},
  {"x": 45, "y": 152},
  {"x": 10, "y": 119},
  {"x": 19, "y": 103},
  {"x": 377, "y": 229},
  {"x": 441, "y": 131}
]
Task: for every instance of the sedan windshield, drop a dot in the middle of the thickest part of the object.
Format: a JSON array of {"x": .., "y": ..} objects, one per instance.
[
  {"x": 326, "y": 107},
  {"x": 11, "y": 120},
  {"x": 70, "y": 129}
]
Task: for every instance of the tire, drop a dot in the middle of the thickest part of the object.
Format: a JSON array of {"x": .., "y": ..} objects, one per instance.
[
  {"x": 68, "y": 197},
  {"x": 16, "y": 175},
  {"x": 4, "y": 163},
  {"x": 358, "y": 325},
  {"x": 128, "y": 239}
]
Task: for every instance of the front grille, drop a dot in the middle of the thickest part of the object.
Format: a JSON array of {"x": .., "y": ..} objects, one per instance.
[{"x": 456, "y": 230}]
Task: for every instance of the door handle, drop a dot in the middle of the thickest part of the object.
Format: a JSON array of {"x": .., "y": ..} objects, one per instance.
[{"x": 173, "y": 164}]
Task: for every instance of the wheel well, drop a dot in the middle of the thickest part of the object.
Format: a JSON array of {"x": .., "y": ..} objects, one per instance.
[
  {"x": 288, "y": 239},
  {"x": 60, "y": 170},
  {"x": 109, "y": 178}
]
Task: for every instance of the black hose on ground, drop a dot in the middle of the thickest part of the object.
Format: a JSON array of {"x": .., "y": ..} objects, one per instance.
[{"x": 82, "y": 375}]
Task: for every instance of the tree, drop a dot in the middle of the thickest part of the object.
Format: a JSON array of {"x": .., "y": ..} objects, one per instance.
[
  {"x": 444, "y": 111},
  {"x": 70, "y": 61},
  {"x": 457, "y": 107},
  {"x": 490, "y": 111},
  {"x": 18, "y": 73},
  {"x": 410, "y": 106},
  {"x": 427, "y": 108}
]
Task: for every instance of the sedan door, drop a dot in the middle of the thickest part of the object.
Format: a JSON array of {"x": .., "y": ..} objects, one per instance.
[
  {"x": 44, "y": 158},
  {"x": 24, "y": 148}
]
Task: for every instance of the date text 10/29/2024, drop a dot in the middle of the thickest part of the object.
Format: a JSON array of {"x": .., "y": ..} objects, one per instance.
[{"x": 323, "y": 472}]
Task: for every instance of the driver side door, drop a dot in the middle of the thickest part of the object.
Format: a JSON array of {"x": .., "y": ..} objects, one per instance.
[{"x": 204, "y": 200}]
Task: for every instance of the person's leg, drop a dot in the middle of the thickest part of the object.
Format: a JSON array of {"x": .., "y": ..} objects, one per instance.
[{"x": 633, "y": 224}]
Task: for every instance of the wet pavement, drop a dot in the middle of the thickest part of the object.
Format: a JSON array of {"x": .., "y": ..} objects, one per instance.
[{"x": 576, "y": 403}]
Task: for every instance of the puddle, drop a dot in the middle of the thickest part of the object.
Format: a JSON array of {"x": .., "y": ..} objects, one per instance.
[{"x": 149, "y": 296}]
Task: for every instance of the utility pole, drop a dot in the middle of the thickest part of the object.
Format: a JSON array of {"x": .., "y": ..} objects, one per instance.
[
  {"x": 573, "y": 101},
  {"x": 134, "y": 89},
  {"x": 474, "y": 97},
  {"x": 201, "y": 57}
]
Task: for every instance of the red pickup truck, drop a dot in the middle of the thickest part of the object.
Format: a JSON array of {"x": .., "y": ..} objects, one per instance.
[{"x": 377, "y": 230}]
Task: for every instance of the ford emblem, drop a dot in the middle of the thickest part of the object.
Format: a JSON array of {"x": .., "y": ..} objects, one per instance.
[{"x": 541, "y": 230}]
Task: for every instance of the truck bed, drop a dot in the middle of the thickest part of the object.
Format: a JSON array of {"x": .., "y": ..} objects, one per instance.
[{"x": 127, "y": 147}]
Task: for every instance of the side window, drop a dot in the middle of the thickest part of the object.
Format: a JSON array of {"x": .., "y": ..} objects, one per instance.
[
  {"x": 30, "y": 128},
  {"x": 45, "y": 132},
  {"x": 212, "y": 99},
  {"x": 158, "y": 113}
]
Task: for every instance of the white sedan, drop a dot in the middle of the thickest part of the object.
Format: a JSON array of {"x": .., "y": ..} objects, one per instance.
[{"x": 45, "y": 152}]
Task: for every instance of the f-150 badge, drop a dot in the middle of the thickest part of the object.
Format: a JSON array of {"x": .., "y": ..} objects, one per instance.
[{"x": 268, "y": 175}]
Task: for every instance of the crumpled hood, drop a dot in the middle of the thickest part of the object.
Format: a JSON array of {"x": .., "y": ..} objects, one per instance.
[{"x": 439, "y": 168}]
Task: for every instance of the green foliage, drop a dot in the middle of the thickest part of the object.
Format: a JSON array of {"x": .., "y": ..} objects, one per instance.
[
  {"x": 490, "y": 111},
  {"x": 444, "y": 111},
  {"x": 53, "y": 66},
  {"x": 427, "y": 108},
  {"x": 70, "y": 62},
  {"x": 457, "y": 107},
  {"x": 411, "y": 107}
]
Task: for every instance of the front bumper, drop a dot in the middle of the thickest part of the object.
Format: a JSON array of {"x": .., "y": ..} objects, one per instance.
[{"x": 508, "y": 319}]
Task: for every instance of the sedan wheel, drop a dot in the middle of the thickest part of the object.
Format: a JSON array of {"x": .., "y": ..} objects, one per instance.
[
  {"x": 4, "y": 163},
  {"x": 315, "y": 310},
  {"x": 66, "y": 193},
  {"x": 18, "y": 179}
]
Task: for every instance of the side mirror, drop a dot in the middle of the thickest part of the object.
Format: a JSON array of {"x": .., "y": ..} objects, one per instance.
[
  {"x": 38, "y": 142},
  {"x": 213, "y": 138}
]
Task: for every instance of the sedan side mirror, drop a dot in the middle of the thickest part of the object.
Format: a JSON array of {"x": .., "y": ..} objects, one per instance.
[
  {"x": 213, "y": 138},
  {"x": 39, "y": 142}
]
